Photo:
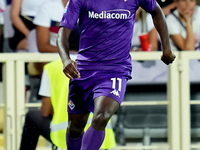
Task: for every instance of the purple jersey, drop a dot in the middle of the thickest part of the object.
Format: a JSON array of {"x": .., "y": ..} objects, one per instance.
[{"x": 106, "y": 31}]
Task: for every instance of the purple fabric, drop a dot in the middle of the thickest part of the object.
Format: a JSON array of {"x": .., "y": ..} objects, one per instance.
[
  {"x": 92, "y": 139},
  {"x": 74, "y": 144},
  {"x": 92, "y": 84},
  {"x": 106, "y": 31}
]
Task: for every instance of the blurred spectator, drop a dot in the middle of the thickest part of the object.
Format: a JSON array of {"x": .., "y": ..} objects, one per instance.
[
  {"x": 38, "y": 122},
  {"x": 167, "y": 5},
  {"x": 184, "y": 26},
  {"x": 22, "y": 14},
  {"x": 2, "y": 8},
  {"x": 43, "y": 39},
  {"x": 51, "y": 121},
  {"x": 47, "y": 22},
  {"x": 8, "y": 30},
  {"x": 144, "y": 24},
  {"x": 47, "y": 25}
]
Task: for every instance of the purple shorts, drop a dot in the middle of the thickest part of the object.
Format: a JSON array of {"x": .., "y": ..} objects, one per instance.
[{"x": 92, "y": 84}]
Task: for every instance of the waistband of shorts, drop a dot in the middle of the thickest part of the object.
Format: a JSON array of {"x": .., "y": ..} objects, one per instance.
[{"x": 118, "y": 68}]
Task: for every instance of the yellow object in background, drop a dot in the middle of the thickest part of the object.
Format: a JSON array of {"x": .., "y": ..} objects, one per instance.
[
  {"x": 1, "y": 120},
  {"x": 59, "y": 99}
]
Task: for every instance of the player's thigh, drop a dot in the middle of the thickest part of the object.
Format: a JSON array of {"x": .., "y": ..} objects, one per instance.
[{"x": 108, "y": 94}]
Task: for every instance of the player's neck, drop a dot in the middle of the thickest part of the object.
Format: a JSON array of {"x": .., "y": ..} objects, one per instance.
[{"x": 64, "y": 2}]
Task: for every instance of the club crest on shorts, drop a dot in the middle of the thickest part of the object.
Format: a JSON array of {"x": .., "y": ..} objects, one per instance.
[{"x": 71, "y": 105}]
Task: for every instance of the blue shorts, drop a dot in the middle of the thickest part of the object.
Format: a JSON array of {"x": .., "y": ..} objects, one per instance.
[{"x": 93, "y": 84}]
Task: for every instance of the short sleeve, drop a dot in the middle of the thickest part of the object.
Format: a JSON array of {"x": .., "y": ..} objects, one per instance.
[
  {"x": 71, "y": 14},
  {"x": 43, "y": 16},
  {"x": 2, "y": 8},
  {"x": 148, "y": 5},
  {"x": 173, "y": 28},
  {"x": 149, "y": 21},
  {"x": 45, "y": 86}
]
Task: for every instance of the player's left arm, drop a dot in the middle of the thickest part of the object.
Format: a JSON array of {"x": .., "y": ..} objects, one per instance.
[{"x": 161, "y": 26}]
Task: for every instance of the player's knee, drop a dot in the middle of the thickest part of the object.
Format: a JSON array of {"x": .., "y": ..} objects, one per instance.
[
  {"x": 100, "y": 120},
  {"x": 75, "y": 130}
]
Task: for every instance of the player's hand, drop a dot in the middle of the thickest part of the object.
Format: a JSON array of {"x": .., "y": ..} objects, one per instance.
[
  {"x": 70, "y": 69},
  {"x": 168, "y": 57}
]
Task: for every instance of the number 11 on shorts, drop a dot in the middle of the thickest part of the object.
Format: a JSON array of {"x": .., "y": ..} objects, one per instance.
[{"x": 114, "y": 83}]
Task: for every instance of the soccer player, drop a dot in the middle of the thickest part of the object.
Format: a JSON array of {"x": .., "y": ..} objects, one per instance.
[{"x": 103, "y": 66}]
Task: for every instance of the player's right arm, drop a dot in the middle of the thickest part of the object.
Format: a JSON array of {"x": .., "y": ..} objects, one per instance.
[
  {"x": 69, "y": 66},
  {"x": 68, "y": 22},
  {"x": 158, "y": 17}
]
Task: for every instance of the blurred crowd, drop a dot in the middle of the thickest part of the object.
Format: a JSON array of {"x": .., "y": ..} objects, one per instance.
[
  {"x": 28, "y": 26},
  {"x": 31, "y": 26},
  {"x": 19, "y": 18}
]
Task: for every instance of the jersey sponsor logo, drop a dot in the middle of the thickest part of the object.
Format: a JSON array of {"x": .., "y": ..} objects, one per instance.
[
  {"x": 71, "y": 105},
  {"x": 115, "y": 92},
  {"x": 110, "y": 14}
]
